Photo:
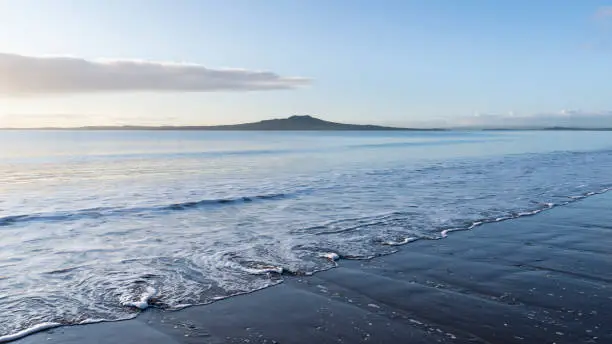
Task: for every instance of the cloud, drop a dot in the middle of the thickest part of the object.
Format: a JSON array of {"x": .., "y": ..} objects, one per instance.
[
  {"x": 602, "y": 20},
  {"x": 604, "y": 13},
  {"x": 29, "y": 75},
  {"x": 67, "y": 120}
]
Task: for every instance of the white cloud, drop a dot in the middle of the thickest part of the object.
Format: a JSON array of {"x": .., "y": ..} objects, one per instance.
[{"x": 29, "y": 75}]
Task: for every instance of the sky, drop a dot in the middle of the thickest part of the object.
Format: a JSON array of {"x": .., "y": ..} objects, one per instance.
[{"x": 404, "y": 62}]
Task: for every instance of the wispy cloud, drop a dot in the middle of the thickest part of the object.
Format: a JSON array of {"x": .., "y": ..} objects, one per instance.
[
  {"x": 604, "y": 13},
  {"x": 601, "y": 21},
  {"x": 31, "y": 75}
]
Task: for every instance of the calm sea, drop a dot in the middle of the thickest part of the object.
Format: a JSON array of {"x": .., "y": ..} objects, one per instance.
[{"x": 99, "y": 225}]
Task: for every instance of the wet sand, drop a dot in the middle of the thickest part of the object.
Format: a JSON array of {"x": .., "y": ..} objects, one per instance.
[{"x": 539, "y": 279}]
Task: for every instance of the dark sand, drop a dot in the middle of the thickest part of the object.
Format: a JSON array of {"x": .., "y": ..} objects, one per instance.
[{"x": 540, "y": 279}]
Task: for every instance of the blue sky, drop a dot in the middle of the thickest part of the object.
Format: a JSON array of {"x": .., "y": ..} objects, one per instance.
[{"x": 388, "y": 62}]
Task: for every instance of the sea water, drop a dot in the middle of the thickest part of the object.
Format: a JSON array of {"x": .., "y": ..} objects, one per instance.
[{"x": 98, "y": 225}]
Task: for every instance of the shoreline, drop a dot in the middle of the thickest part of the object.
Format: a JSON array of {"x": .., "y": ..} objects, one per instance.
[{"x": 373, "y": 300}]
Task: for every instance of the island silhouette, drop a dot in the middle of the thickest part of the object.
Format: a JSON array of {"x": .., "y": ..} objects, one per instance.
[{"x": 295, "y": 123}]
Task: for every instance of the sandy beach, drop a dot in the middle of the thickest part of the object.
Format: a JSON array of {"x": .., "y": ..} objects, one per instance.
[{"x": 539, "y": 279}]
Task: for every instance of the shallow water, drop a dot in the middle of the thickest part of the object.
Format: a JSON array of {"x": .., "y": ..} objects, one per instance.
[{"x": 98, "y": 225}]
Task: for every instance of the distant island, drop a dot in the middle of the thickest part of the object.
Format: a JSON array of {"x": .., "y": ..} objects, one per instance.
[
  {"x": 293, "y": 123},
  {"x": 307, "y": 123}
]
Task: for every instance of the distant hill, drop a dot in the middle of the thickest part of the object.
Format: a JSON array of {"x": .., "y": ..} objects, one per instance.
[
  {"x": 299, "y": 123},
  {"x": 294, "y": 123}
]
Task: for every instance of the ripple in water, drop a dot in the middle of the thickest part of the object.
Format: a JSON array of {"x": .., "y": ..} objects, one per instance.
[{"x": 194, "y": 240}]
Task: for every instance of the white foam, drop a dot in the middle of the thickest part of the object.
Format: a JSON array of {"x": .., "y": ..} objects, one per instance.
[
  {"x": 252, "y": 269},
  {"x": 401, "y": 242},
  {"x": 29, "y": 331},
  {"x": 529, "y": 213},
  {"x": 475, "y": 224},
  {"x": 143, "y": 303},
  {"x": 445, "y": 232},
  {"x": 330, "y": 256},
  {"x": 277, "y": 245},
  {"x": 93, "y": 321},
  {"x": 264, "y": 270}
]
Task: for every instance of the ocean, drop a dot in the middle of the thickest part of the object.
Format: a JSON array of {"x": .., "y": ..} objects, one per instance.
[{"x": 99, "y": 225}]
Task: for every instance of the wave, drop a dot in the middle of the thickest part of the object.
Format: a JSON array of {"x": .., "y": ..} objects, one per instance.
[
  {"x": 29, "y": 331},
  {"x": 48, "y": 326},
  {"x": 407, "y": 203},
  {"x": 188, "y": 205},
  {"x": 142, "y": 302},
  {"x": 118, "y": 211},
  {"x": 516, "y": 215},
  {"x": 147, "y": 297}
]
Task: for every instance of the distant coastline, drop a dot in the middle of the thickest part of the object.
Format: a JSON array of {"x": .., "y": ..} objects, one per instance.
[
  {"x": 299, "y": 123},
  {"x": 547, "y": 129}
]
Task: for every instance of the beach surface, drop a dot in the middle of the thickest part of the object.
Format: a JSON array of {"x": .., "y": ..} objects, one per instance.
[{"x": 540, "y": 279}]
